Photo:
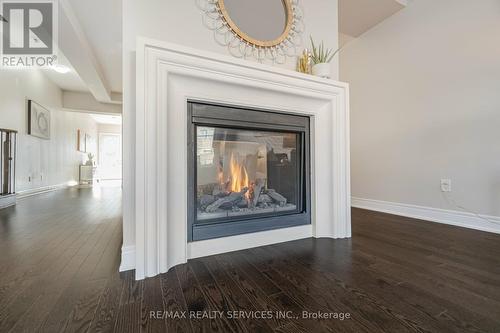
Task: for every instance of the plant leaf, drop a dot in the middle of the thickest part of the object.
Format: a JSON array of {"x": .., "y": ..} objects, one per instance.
[
  {"x": 334, "y": 53},
  {"x": 313, "y": 47}
]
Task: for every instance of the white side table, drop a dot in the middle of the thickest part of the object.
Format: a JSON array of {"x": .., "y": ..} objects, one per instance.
[{"x": 87, "y": 174}]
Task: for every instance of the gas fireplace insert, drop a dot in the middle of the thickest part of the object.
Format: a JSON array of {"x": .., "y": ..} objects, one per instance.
[{"x": 248, "y": 170}]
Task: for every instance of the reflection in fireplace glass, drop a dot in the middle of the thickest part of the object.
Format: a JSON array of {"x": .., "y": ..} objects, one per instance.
[{"x": 242, "y": 173}]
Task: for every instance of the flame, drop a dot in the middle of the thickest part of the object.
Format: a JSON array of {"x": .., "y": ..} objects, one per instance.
[{"x": 239, "y": 175}]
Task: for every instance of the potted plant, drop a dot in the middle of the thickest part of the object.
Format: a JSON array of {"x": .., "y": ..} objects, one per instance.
[
  {"x": 321, "y": 58},
  {"x": 90, "y": 159}
]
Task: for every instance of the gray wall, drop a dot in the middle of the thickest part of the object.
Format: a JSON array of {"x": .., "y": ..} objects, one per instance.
[{"x": 425, "y": 105}]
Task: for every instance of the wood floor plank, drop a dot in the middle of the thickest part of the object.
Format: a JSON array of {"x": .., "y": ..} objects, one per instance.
[
  {"x": 78, "y": 302},
  {"x": 108, "y": 305},
  {"x": 60, "y": 253},
  {"x": 129, "y": 313},
  {"x": 215, "y": 299},
  {"x": 39, "y": 290},
  {"x": 84, "y": 310},
  {"x": 307, "y": 294},
  {"x": 236, "y": 299},
  {"x": 195, "y": 300},
  {"x": 385, "y": 289},
  {"x": 174, "y": 303},
  {"x": 428, "y": 275},
  {"x": 152, "y": 302},
  {"x": 238, "y": 270}
]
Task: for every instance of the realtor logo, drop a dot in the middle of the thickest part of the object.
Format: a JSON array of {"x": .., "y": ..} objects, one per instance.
[{"x": 28, "y": 32}]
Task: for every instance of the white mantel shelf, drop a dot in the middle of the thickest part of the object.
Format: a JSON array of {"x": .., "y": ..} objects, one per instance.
[{"x": 168, "y": 76}]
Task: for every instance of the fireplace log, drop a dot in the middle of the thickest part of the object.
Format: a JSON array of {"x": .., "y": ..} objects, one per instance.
[
  {"x": 206, "y": 199},
  {"x": 218, "y": 193},
  {"x": 226, "y": 205},
  {"x": 232, "y": 199},
  {"x": 264, "y": 198},
  {"x": 242, "y": 203},
  {"x": 257, "y": 188},
  {"x": 281, "y": 200}
]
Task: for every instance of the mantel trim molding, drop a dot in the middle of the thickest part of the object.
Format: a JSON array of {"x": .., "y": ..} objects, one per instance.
[{"x": 167, "y": 77}]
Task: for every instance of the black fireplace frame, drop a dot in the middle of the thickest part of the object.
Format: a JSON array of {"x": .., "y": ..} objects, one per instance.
[{"x": 219, "y": 115}]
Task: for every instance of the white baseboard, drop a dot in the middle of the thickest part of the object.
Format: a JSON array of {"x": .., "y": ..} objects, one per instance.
[
  {"x": 128, "y": 258},
  {"x": 451, "y": 217},
  {"x": 246, "y": 241},
  {"x": 228, "y": 244},
  {"x": 40, "y": 190},
  {"x": 7, "y": 200}
]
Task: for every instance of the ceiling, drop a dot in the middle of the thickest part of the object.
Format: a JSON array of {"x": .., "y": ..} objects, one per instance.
[
  {"x": 101, "y": 22},
  {"x": 70, "y": 81},
  {"x": 359, "y": 16},
  {"x": 107, "y": 119},
  {"x": 90, "y": 46}
]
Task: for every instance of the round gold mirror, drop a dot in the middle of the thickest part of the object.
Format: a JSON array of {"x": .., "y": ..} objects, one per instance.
[
  {"x": 268, "y": 30},
  {"x": 263, "y": 23}
]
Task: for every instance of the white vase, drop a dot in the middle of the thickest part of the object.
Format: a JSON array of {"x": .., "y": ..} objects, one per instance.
[{"x": 322, "y": 70}]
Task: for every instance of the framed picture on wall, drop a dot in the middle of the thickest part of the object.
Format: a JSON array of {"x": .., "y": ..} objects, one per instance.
[
  {"x": 38, "y": 120},
  {"x": 80, "y": 141}
]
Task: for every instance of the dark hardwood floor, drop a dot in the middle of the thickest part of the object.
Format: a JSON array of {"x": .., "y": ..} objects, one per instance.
[{"x": 60, "y": 252}]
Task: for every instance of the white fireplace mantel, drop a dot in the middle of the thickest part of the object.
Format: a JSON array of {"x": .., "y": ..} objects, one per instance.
[{"x": 167, "y": 77}]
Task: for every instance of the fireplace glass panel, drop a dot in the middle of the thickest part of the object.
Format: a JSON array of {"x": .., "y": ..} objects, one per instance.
[{"x": 242, "y": 173}]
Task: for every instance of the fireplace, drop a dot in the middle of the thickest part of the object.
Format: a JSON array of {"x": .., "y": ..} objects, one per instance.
[
  {"x": 161, "y": 224},
  {"x": 249, "y": 170}
]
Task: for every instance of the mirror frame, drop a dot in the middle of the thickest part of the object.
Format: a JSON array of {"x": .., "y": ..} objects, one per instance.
[
  {"x": 239, "y": 44},
  {"x": 260, "y": 43}
]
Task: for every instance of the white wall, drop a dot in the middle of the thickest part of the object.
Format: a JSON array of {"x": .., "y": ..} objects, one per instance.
[
  {"x": 180, "y": 22},
  {"x": 425, "y": 105},
  {"x": 46, "y": 162}
]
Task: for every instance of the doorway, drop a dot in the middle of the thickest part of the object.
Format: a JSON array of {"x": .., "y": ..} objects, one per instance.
[{"x": 110, "y": 156}]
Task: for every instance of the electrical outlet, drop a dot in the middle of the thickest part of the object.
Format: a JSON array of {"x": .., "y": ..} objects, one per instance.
[{"x": 445, "y": 185}]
